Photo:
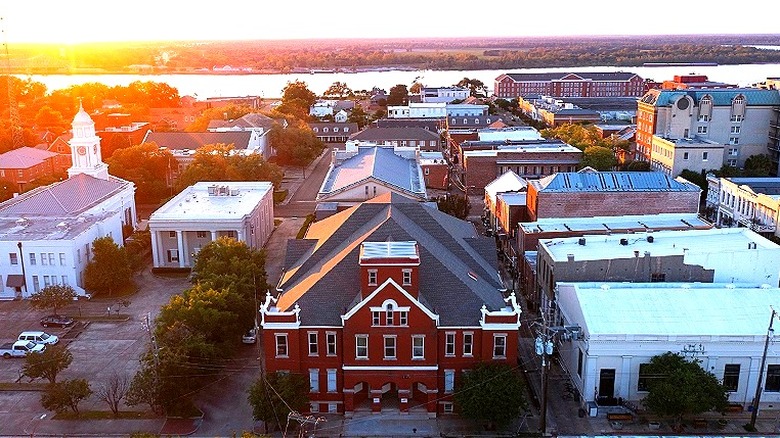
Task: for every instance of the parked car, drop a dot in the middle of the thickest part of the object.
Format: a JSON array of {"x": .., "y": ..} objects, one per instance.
[
  {"x": 38, "y": 337},
  {"x": 20, "y": 349},
  {"x": 56, "y": 321},
  {"x": 250, "y": 337}
]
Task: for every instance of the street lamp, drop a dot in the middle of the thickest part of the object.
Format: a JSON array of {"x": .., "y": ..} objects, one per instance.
[{"x": 37, "y": 423}]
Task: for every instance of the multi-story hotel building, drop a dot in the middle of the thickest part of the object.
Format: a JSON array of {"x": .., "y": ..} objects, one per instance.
[{"x": 569, "y": 84}]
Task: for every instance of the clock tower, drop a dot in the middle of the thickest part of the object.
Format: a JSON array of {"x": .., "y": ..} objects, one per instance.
[{"x": 85, "y": 148}]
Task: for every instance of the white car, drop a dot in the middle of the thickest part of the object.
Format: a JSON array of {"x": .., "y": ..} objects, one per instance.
[
  {"x": 39, "y": 337},
  {"x": 250, "y": 337}
]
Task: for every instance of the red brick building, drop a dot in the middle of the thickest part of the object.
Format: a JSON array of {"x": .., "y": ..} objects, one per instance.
[
  {"x": 23, "y": 165},
  {"x": 569, "y": 84},
  {"x": 610, "y": 194},
  {"x": 529, "y": 160},
  {"x": 385, "y": 305}
]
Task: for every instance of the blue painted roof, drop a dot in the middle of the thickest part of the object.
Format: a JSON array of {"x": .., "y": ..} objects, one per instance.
[
  {"x": 720, "y": 96},
  {"x": 613, "y": 181}
]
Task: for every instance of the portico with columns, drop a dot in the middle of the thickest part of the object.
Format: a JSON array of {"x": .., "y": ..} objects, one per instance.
[{"x": 206, "y": 211}]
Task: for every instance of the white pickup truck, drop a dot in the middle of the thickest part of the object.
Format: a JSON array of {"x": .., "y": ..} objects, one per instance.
[{"x": 21, "y": 349}]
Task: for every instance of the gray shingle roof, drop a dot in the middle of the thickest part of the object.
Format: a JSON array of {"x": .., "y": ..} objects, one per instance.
[
  {"x": 324, "y": 281},
  {"x": 194, "y": 140},
  {"x": 70, "y": 197},
  {"x": 381, "y": 164},
  {"x": 394, "y": 133},
  {"x": 24, "y": 158}
]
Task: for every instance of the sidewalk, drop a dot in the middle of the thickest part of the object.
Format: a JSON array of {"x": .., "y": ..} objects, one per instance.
[{"x": 294, "y": 176}]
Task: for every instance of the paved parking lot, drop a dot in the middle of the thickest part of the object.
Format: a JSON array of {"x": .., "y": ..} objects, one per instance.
[{"x": 99, "y": 350}]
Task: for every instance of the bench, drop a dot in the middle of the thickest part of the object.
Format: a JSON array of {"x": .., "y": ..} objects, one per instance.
[
  {"x": 620, "y": 416},
  {"x": 700, "y": 423},
  {"x": 734, "y": 408}
]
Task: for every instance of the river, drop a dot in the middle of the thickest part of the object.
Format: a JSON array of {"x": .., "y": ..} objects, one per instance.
[{"x": 270, "y": 86}]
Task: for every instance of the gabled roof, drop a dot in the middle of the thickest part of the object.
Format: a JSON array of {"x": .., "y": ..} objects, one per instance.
[
  {"x": 508, "y": 182},
  {"x": 67, "y": 198},
  {"x": 457, "y": 273},
  {"x": 194, "y": 140},
  {"x": 24, "y": 158},
  {"x": 377, "y": 163},
  {"x": 612, "y": 182},
  {"x": 395, "y": 133},
  {"x": 248, "y": 121}
]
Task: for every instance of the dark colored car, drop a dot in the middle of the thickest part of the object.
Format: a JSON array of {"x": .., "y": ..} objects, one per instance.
[{"x": 56, "y": 321}]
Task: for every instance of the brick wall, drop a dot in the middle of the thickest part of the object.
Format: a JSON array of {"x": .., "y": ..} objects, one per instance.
[{"x": 587, "y": 204}]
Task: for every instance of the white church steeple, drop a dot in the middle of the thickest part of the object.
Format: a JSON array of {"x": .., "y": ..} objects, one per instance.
[{"x": 85, "y": 148}]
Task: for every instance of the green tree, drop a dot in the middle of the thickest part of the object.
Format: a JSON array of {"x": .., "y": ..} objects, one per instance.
[
  {"x": 759, "y": 165},
  {"x": 47, "y": 118},
  {"x": 148, "y": 166},
  {"x": 359, "y": 116},
  {"x": 219, "y": 315},
  {"x": 218, "y": 162},
  {"x": 67, "y": 394},
  {"x": 454, "y": 205},
  {"x": 399, "y": 95},
  {"x": 47, "y": 364},
  {"x": 297, "y": 99},
  {"x": 53, "y": 297},
  {"x": 227, "y": 262},
  {"x": 638, "y": 166},
  {"x": 295, "y": 145},
  {"x": 227, "y": 112},
  {"x": 477, "y": 88},
  {"x": 338, "y": 90},
  {"x": 599, "y": 158},
  {"x": 270, "y": 395},
  {"x": 109, "y": 270},
  {"x": 486, "y": 387},
  {"x": 678, "y": 387}
]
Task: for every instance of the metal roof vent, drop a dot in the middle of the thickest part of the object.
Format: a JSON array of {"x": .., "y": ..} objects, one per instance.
[
  {"x": 650, "y": 239},
  {"x": 624, "y": 241},
  {"x": 581, "y": 241}
]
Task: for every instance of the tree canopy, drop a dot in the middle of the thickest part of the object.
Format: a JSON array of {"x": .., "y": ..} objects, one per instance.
[
  {"x": 491, "y": 392},
  {"x": 227, "y": 112},
  {"x": 599, "y": 158},
  {"x": 678, "y": 387},
  {"x": 217, "y": 162},
  {"x": 338, "y": 90},
  {"x": 399, "y": 95},
  {"x": 295, "y": 145},
  {"x": 264, "y": 396},
  {"x": 53, "y": 297},
  {"x": 148, "y": 166},
  {"x": 48, "y": 363},
  {"x": 297, "y": 99},
  {"x": 476, "y": 87},
  {"x": 109, "y": 269}
]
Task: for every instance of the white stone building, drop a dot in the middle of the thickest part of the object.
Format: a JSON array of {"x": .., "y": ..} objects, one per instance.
[
  {"x": 46, "y": 234},
  {"x": 752, "y": 202},
  {"x": 207, "y": 211},
  {"x": 723, "y": 325}
]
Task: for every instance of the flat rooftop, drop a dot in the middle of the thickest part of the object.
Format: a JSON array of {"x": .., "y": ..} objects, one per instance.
[
  {"x": 608, "y": 223},
  {"x": 674, "y": 309},
  {"x": 213, "y": 201},
  {"x": 767, "y": 185},
  {"x": 660, "y": 243}
]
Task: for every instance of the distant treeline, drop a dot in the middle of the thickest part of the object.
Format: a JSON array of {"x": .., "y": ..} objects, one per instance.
[{"x": 438, "y": 54}]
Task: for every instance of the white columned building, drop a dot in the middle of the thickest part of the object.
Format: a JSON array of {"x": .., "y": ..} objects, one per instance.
[
  {"x": 46, "y": 234},
  {"x": 207, "y": 211}
]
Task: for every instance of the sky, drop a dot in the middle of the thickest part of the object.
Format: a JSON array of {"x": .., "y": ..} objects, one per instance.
[{"x": 78, "y": 21}]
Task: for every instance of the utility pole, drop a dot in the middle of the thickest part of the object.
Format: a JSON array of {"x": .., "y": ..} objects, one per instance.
[
  {"x": 13, "y": 108},
  {"x": 757, "y": 398}
]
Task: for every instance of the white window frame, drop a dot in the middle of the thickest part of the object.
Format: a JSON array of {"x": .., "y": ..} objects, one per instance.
[
  {"x": 173, "y": 256},
  {"x": 312, "y": 336},
  {"x": 497, "y": 345},
  {"x": 705, "y": 156},
  {"x": 314, "y": 380},
  {"x": 468, "y": 344},
  {"x": 281, "y": 345},
  {"x": 332, "y": 380},
  {"x": 449, "y": 344},
  {"x": 447, "y": 407},
  {"x": 330, "y": 339},
  {"x": 418, "y": 348},
  {"x": 62, "y": 259},
  {"x": 44, "y": 259},
  {"x": 373, "y": 274},
  {"x": 449, "y": 381},
  {"x": 390, "y": 342},
  {"x": 358, "y": 347},
  {"x": 407, "y": 277}
]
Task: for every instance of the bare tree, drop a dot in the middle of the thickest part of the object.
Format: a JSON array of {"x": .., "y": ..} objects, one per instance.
[{"x": 113, "y": 390}]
